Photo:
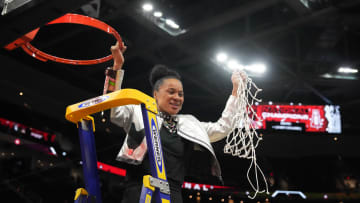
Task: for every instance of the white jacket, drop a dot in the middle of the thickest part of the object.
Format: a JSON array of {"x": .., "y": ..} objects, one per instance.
[{"x": 190, "y": 128}]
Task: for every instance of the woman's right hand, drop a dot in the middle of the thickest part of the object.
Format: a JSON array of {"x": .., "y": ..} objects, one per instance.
[{"x": 118, "y": 57}]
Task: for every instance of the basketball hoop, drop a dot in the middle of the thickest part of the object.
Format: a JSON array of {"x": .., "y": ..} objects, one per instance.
[{"x": 24, "y": 41}]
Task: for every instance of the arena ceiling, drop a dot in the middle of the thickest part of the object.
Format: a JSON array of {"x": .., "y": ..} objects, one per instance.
[{"x": 302, "y": 43}]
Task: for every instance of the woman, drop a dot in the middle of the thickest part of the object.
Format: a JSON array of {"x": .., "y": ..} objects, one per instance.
[{"x": 180, "y": 134}]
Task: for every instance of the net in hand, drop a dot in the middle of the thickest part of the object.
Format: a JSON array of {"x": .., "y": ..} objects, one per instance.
[{"x": 243, "y": 138}]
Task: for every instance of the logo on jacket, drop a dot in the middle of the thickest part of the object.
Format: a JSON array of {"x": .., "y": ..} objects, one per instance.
[{"x": 156, "y": 145}]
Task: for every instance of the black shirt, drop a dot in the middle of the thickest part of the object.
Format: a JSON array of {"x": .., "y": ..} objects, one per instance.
[
  {"x": 173, "y": 147},
  {"x": 176, "y": 151}
]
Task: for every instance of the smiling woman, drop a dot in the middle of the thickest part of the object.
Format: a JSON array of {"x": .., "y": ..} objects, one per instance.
[
  {"x": 167, "y": 89},
  {"x": 180, "y": 134}
]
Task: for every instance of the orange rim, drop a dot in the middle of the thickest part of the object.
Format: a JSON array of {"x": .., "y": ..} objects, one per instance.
[{"x": 24, "y": 41}]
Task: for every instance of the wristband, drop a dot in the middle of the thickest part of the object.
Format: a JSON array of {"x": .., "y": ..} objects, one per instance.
[{"x": 110, "y": 80}]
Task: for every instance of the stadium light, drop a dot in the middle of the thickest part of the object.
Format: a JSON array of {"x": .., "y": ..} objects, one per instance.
[
  {"x": 147, "y": 7},
  {"x": 158, "y": 14},
  {"x": 256, "y": 68},
  {"x": 172, "y": 24},
  {"x": 221, "y": 57},
  {"x": 161, "y": 19},
  {"x": 233, "y": 65},
  {"x": 347, "y": 70}
]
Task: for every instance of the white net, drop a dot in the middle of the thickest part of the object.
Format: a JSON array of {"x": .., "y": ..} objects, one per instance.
[{"x": 243, "y": 138}]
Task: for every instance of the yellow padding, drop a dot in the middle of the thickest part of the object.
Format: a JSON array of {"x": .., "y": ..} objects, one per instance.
[
  {"x": 88, "y": 118},
  {"x": 146, "y": 182},
  {"x": 122, "y": 97},
  {"x": 80, "y": 191}
]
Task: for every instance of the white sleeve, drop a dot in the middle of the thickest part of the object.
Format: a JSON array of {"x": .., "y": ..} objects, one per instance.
[
  {"x": 122, "y": 116},
  {"x": 221, "y": 128},
  {"x": 125, "y": 116}
]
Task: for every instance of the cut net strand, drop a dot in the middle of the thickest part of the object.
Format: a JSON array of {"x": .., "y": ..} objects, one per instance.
[{"x": 243, "y": 138}]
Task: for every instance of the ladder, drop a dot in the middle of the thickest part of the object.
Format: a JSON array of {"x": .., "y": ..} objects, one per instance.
[{"x": 154, "y": 185}]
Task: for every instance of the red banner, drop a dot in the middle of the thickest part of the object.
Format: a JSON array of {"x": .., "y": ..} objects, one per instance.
[
  {"x": 28, "y": 131},
  {"x": 111, "y": 169}
]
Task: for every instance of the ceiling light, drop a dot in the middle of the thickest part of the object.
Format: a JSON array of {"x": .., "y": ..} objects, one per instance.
[
  {"x": 339, "y": 76},
  {"x": 257, "y": 68},
  {"x": 221, "y": 57},
  {"x": 158, "y": 14},
  {"x": 233, "y": 65},
  {"x": 172, "y": 24},
  {"x": 161, "y": 20},
  {"x": 347, "y": 70},
  {"x": 21, "y": 93},
  {"x": 147, "y": 7}
]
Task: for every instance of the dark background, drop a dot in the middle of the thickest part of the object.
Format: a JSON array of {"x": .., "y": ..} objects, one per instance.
[{"x": 298, "y": 43}]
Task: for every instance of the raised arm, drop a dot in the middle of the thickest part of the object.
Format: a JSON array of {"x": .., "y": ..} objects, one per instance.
[
  {"x": 120, "y": 116},
  {"x": 118, "y": 57},
  {"x": 221, "y": 128}
]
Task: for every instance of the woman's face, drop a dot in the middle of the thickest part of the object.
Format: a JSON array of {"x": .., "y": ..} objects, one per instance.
[{"x": 170, "y": 96}]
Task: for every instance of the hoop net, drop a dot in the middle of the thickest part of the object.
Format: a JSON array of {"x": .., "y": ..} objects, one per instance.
[{"x": 243, "y": 138}]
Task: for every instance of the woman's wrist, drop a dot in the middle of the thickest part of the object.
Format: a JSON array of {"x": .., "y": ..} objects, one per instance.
[
  {"x": 117, "y": 67},
  {"x": 234, "y": 90}
]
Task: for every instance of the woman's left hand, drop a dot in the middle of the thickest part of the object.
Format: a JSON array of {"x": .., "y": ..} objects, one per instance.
[{"x": 237, "y": 77}]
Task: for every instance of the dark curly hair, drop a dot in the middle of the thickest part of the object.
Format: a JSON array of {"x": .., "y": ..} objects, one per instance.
[{"x": 159, "y": 73}]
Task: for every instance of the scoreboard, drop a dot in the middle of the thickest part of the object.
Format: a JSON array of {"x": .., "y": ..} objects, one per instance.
[{"x": 304, "y": 118}]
